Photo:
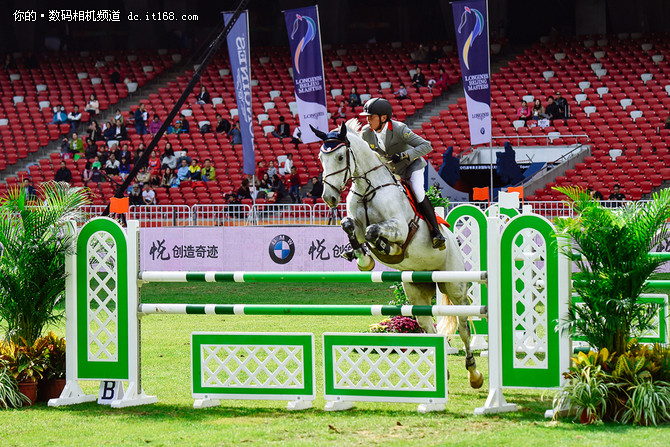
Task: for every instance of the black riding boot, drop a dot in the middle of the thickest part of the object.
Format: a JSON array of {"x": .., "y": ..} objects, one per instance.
[{"x": 428, "y": 213}]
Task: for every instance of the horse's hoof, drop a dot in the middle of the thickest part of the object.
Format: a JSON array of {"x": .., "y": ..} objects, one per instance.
[
  {"x": 438, "y": 242},
  {"x": 476, "y": 379},
  {"x": 366, "y": 268}
]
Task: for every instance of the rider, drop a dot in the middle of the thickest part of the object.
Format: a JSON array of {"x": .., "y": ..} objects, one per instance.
[{"x": 403, "y": 150}]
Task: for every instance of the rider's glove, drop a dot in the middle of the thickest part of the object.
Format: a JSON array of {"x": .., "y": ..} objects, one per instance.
[{"x": 395, "y": 158}]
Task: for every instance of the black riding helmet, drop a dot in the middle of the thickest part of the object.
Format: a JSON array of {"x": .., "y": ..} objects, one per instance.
[{"x": 377, "y": 106}]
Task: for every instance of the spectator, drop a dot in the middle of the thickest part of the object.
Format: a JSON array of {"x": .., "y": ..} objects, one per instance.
[
  {"x": 95, "y": 132},
  {"x": 91, "y": 150},
  {"x": 96, "y": 176},
  {"x": 76, "y": 145},
  {"x": 112, "y": 165},
  {"x": 154, "y": 165},
  {"x": 86, "y": 173},
  {"x": 183, "y": 174},
  {"x": 31, "y": 193},
  {"x": 401, "y": 93},
  {"x": 260, "y": 169},
  {"x": 141, "y": 120},
  {"x": 235, "y": 134},
  {"x": 316, "y": 191},
  {"x": 124, "y": 167},
  {"x": 74, "y": 118},
  {"x": 116, "y": 75},
  {"x": 135, "y": 196},
  {"x": 63, "y": 174},
  {"x": 203, "y": 97},
  {"x": 563, "y": 108},
  {"x": 118, "y": 116},
  {"x": 148, "y": 195},
  {"x": 194, "y": 171},
  {"x": 244, "y": 191},
  {"x": 65, "y": 152},
  {"x": 354, "y": 98},
  {"x": 9, "y": 62},
  {"x": 169, "y": 159},
  {"x": 96, "y": 163},
  {"x": 551, "y": 110},
  {"x": 108, "y": 131},
  {"x": 616, "y": 193},
  {"x": 264, "y": 185},
  {"x": 442, "y": 82},
  {"x": 168, "y": 178},
  {"x": 222, "y": 124},
  {"x": 341, "y": 112},
  {"x": 419, "y": 79},
  {"x": 144, "y": 176},
  {"x": 120, "y": 132},
  {"x": 272, "y": 170},
  {"x": 297, "y": 136},
  {"x": 125, "y": 153},
  {"x": 283, "y": 129},
  {"x": 667, "y": 122},
  {"x": 184, "y": 156},
  {"x": 597, "y": 195},
  {"x": 523, "y": 112},
  {"x": 185, "y": 126},
  {"x": 278, "y": 187},
  {"x": 174, "y": 128},
  {"x": 208, "y": 173},
  {"x": 294, "y": 185},
  {"x": 420, "y": 55},
  {"x": 288, "y": 164},
  {"x": 434, "y": 54},
  {"x": 140, "y": 150},
  {"x": 92, "y": 106},
  {"x": 538, "y": 112},
  {"x": 60, "y": 117},
  {"x": 155, "y": 125}
]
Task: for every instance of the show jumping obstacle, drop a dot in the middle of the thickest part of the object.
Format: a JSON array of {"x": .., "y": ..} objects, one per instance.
[{"x": 525, "y": 278}]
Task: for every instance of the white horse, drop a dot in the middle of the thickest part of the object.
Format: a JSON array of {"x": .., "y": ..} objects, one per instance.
[{"x": 382, "y": 224}]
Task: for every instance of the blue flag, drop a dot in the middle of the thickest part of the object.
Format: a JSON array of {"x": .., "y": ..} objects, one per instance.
[
  {"x": 240, "y": 66},
  {"x": 472, "y": 37},
  {"x": 304, "y": 38}
]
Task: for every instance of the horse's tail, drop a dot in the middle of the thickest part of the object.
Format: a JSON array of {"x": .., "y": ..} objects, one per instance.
[{"x": 447, "y": 325}]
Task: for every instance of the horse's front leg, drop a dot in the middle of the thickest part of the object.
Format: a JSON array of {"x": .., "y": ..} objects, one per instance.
[
  {"x": 387, "y": 236},
  {"x": 364, "y": 260}
]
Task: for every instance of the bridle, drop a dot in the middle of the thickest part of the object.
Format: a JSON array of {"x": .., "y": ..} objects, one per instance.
[{"x": 370, "y": 190}]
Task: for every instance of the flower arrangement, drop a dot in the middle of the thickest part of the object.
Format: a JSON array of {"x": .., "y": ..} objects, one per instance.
[{"x": 398, "y": 325}]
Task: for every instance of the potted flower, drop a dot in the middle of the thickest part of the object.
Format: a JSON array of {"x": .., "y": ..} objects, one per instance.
[
  {"x": 32, "y": 261},
  {"x": 53, "y": 379}
]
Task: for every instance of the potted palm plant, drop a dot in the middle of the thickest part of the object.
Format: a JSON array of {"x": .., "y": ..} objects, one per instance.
[
  {"x": 32, "y": 260},
  {"x": 611, "y": 249}
]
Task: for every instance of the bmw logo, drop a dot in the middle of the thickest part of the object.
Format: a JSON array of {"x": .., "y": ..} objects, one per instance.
[
  {"x": 482, "y": 131},
  {"x": 281, "y": 249}
]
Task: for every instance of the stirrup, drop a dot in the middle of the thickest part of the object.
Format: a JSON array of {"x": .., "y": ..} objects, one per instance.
[{"x": 439, "y": 241}]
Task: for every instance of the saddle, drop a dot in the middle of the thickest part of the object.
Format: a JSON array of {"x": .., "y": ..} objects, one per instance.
[{"x": 413, "y": 227}]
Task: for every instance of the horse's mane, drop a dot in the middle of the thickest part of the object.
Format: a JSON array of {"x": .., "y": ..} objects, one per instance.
[{"x": 354, "y": 126}]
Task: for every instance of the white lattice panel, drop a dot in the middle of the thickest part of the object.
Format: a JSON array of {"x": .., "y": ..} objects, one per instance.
[
  {"x": 384, "y": 368},
  {"x": 467, "y": 231},
  {"x": 102, "y": 302},
  {"x": 529, "y": 302},
  {"x": 244, "y": 366}
]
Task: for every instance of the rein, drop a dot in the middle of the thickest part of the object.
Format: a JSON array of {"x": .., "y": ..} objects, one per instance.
[{"x": 370, "y": 190}]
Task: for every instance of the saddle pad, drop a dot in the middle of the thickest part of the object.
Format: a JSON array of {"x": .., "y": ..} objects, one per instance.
[{"x": 412, "y": 202}]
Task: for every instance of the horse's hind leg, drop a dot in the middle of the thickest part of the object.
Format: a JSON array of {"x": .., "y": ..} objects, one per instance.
[
  {"x": 457, "y": 293},
  {"x": 364, "y": 260},
  {"x": 421, "y": 294}
]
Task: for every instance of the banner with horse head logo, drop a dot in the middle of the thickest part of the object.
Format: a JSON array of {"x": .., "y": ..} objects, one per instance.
[
  {"x": 240, "y": 67},
  {"x": 304, "y": 38},
  {"x": 472, "y": 37}
]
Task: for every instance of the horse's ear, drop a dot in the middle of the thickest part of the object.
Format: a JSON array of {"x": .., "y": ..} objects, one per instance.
[
  {"x": 318, "y": 133},
  {"x": 343, "y": 132}
]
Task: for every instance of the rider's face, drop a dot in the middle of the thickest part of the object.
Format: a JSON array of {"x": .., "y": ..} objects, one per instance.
[{"x": 374, "y": 122}]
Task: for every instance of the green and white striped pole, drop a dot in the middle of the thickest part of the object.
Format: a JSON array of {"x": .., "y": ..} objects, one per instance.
[{"x": 314, "y": 277}]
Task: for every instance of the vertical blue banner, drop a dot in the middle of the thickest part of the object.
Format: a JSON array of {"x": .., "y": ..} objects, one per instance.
[
  {"x": 472, "y": 37},
  {"x": 304, "y": 38},
  {"x": 240, "y": 66}
]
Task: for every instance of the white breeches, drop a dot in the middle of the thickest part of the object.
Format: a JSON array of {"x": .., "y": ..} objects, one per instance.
[{"x": 416, "y": 180}]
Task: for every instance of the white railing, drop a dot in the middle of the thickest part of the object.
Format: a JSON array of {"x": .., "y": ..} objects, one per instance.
[{"x": 282, "y": 214}]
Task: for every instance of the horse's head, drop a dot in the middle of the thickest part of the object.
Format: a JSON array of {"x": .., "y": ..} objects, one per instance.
[{"x": 337, "y": 162}]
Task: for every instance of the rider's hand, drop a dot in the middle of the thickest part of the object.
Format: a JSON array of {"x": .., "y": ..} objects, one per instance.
[{"x": 395, "y": 158}]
